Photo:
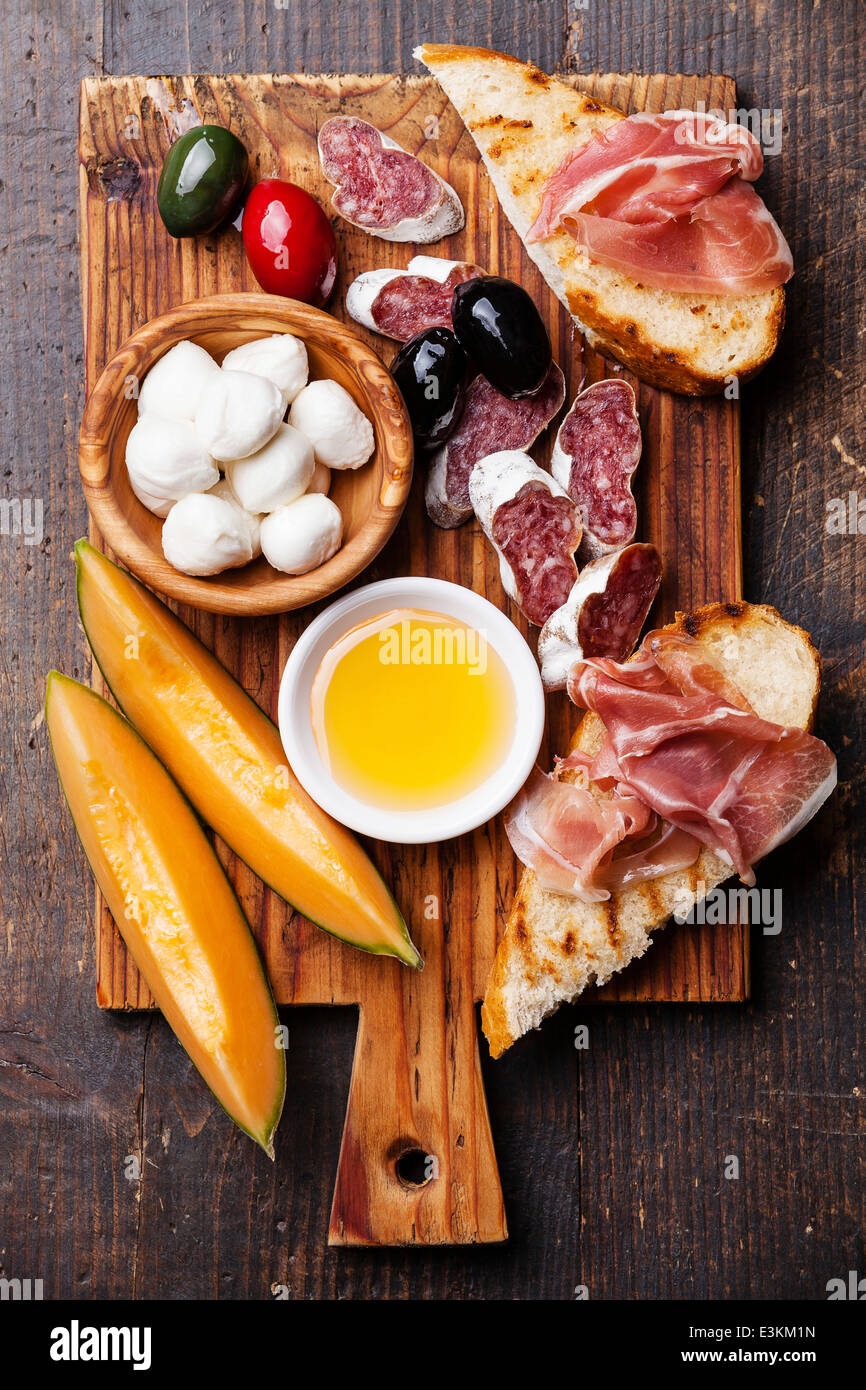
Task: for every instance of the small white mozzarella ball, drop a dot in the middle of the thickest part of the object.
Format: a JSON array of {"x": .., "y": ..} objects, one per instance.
[
  {"x": 166, "y": 460},
  {"x": 339, "y": 432},
  {"x": 253, "y": 522},
  {"x": 174, "y": 384},
  {"x": 204, "y": 535},
  {"x": 237, "y": 414},
  {"x": 282, "y": 358},
  {"x": 277, "y": 474},
  {"x": 302, "y": 535},
  {"x": 321, "y": 479}
]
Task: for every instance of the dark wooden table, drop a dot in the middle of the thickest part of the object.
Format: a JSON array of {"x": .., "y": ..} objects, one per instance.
[{"x": 118, "y": 1176}]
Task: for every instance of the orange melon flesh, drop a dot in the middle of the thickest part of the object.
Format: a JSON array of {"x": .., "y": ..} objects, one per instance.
[
  {"x": 227, "y": 756},
  {"x": 172, "y": 903}
]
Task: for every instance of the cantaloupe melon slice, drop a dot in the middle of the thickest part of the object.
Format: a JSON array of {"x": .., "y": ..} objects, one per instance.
[
  {"x": 173, "y": 904},
  {"x": 228, "y": 758}
]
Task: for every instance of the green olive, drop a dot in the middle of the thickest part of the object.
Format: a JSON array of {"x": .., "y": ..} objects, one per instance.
[{"x": 202, "y": 180}]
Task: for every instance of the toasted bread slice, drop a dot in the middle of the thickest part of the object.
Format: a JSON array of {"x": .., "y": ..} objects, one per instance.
[
  {"x": 555, "y": 946},
  {"x": 525, "y": 123}
]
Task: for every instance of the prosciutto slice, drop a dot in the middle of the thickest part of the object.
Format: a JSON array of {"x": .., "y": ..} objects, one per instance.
[
  {"x": 564, "y": 832},
  {"x": 648, "y": 168},
  {"x": 730, "y": 244},
  {"x": 684, "y": 740},
  {"x": 587, "y": 847},
  {"x": 668, "y": 200}
]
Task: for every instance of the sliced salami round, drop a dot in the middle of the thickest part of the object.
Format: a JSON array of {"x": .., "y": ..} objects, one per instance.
[
  {"x": 404, "y": 303},
  {"x": 491, "y": 424},
  {"x": 597, "y": 450},
  {"x": 384, "y": 189},
  {"x": 534, "y": 527},
  {"x": 604, "y": 612}
]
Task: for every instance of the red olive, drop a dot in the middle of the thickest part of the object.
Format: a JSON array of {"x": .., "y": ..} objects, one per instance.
[{"x": 289, "y": 242}]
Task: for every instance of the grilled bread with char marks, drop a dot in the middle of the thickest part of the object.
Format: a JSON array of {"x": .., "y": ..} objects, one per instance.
[
  {"x": 524, "y": 124},
  {"x": 554, "y": 946}
]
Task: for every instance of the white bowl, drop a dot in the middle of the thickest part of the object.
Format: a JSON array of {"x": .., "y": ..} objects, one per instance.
[{"x": 411, "y": 826}]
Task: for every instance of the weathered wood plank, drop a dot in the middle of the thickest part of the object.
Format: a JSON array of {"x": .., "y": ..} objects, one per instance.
[
  {"x": 416, "y": 1080},
  {"x": 688, "y": 482},
  {"x": 626, "y": 1161}
]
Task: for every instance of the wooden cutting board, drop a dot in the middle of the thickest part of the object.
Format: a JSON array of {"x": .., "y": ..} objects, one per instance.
[{"x": 416, "y": 1085}]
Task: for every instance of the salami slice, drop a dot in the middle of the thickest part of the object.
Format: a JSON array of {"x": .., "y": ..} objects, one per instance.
[
  {"x": 604, "y": 612},
  {"x": 491, "y": 424},
  {"x": 534, "y": 527},
  {"x": 403, "y": 303},
  {"x": 597, "y": 450},
  {"x": 382, "y": 188}
]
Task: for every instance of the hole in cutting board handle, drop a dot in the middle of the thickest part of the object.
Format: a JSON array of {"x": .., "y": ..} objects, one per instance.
[{"x": 415, "y": 1168}]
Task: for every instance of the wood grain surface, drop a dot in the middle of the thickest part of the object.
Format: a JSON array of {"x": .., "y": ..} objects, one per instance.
[
  {"x": 688, "y": 483},
  {"x": 416, "y": 1083},
  {"x": 611, "y": 1159}
]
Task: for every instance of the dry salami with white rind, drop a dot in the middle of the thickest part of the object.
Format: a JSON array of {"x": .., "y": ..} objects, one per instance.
[
  {"x": 534, "y": 527},
  {"x": 361, "y": 294},
  {"x": 382, "y": 188},
  {"x": 402, "y": 303},
  {"x": 604, "y": 612},
  {"x": 491, "y": 423},
  {"x": 597, "y": 450}
]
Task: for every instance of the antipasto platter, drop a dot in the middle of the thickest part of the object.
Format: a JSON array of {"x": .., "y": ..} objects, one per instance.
[{"x": 573, "y": 566}]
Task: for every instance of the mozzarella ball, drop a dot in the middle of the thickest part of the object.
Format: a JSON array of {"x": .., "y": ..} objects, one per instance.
[
  {"x": 277, "y": 474},
  {"x": 166, "y": 460},
  {"x": 303, "y": 535},
  {"x": 281, "y": 358},
  {"x": 237, "y": 414},
  {"x": 174, "y": 384},
  {"x": 339, "y": 432},
  {"x": 253, "y": 522},
  {"x": 321, "y": 479},
  {"x": 203, "y": 535}
]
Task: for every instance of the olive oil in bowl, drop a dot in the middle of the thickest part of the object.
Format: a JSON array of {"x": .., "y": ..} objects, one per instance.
[{"x": 412, "y": 709}]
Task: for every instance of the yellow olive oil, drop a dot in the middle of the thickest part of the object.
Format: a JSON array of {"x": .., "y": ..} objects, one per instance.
[{"x": 412, "y": 709}]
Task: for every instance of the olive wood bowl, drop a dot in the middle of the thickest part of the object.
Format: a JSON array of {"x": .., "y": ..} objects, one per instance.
[{"x": 371, "y": 498}]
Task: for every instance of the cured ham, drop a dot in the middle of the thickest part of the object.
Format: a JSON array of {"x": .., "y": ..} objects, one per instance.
[
  {"x": 383, "y": 188},
  {"x": 683, "y": 738},
  {"x": 731, "y": 244},
  {"x": 647, "y": 168},
  {"x": 668, "y": 200},
  {"x": 684, "y": 762},
  {"x": 588, "y": 846},
  {"x": 534, "y": 527},
  {"x": 403, "y": 303}
]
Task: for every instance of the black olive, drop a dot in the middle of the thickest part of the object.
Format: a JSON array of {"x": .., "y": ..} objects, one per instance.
[
  {"x": 499, "y": 327},
  {"x": 430, "y": 371}
]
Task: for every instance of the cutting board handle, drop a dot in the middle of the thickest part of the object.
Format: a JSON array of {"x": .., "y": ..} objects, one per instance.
[{"x": 417, "y": 1165}]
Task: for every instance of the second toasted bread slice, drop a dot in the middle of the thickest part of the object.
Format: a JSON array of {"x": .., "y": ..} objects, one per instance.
[
  {"x": 524, "y": 124},
  {"x": 556, "y": 946}
]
